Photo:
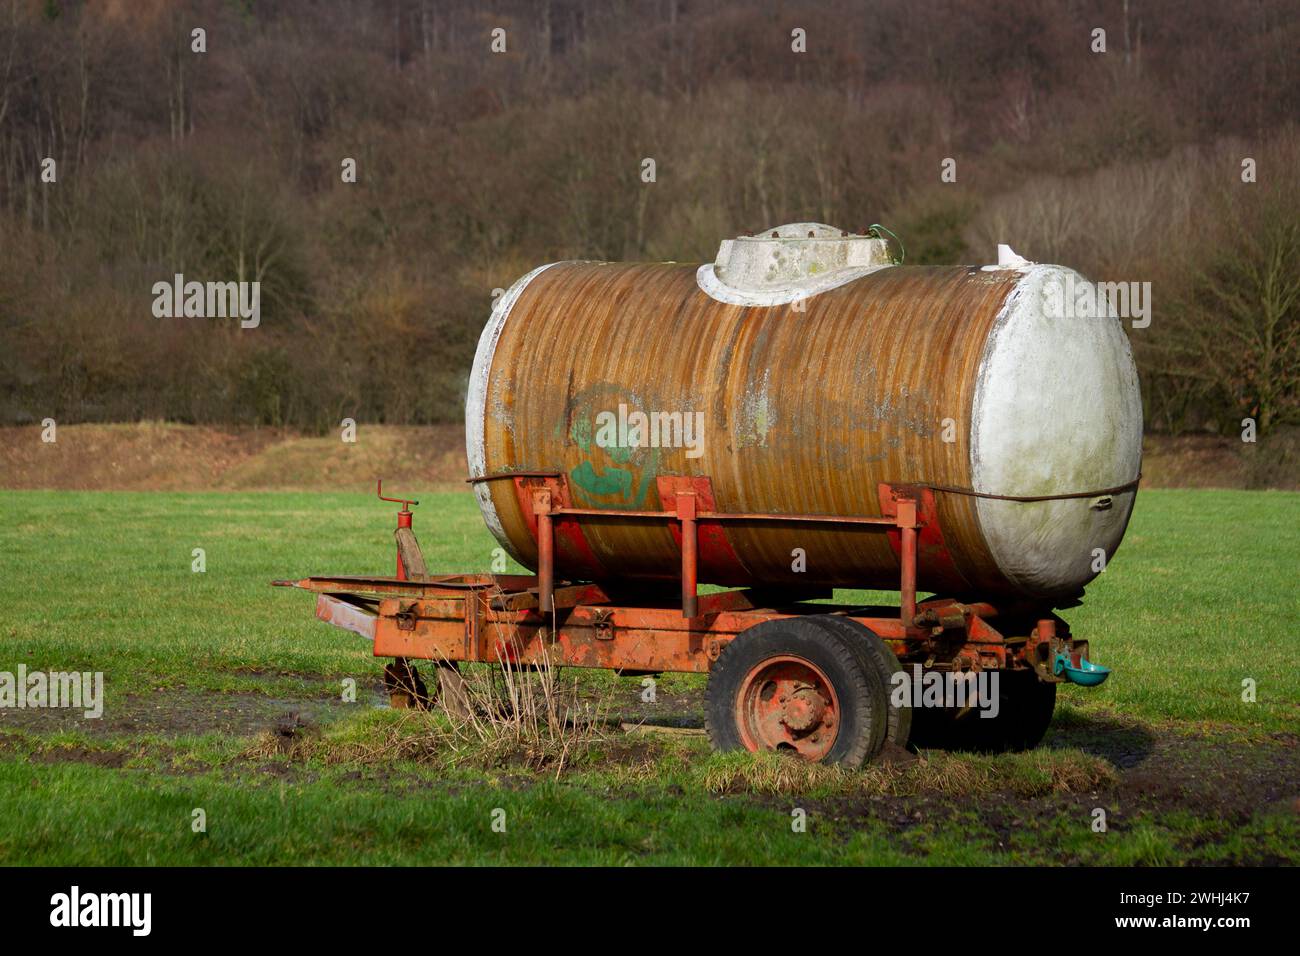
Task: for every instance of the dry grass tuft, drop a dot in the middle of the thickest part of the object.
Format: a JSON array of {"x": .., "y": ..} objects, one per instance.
[
  {"x": 516, "y": 717},
  {"x": 1032, "y": 774},
  {"x": 771, "y": 773}
]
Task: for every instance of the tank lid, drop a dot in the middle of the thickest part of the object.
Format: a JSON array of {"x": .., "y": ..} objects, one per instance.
[{"x": 795, "y": 256}]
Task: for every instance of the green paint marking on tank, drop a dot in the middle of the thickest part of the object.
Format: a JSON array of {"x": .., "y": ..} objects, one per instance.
[
  {"x": 580, "y": 433},
  {"x": 622, "y": 484},
  {"x": 612, "y": 475},
  {"x": 613, "y": 481}
]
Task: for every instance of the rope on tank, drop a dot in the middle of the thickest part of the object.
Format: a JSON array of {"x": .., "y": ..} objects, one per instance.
[
  {"x": 950, "y": 489},
  {"x": 1098, "y": 493},
  {"x": 875, "y": 230},
  {"x": 512, "y": 474}
]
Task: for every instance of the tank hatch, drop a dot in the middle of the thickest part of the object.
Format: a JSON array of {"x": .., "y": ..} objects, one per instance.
[
  {"x": 798, "y": 254},
  {"x": 790, "y": 263}
]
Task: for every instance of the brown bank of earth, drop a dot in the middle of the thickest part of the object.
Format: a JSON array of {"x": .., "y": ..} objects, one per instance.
[{"x": 160, "y": 456}]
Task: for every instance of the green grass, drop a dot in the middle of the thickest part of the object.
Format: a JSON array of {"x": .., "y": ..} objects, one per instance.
[
  {"x": 1203, "y": 594},
  {"x": 105, "y": 579},
  {"x": 338, "y": 821},
  {"x": 1200, "y": 597}
]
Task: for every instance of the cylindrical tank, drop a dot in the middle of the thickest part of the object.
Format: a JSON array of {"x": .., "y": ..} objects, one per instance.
[{"x": 798, "y": 373}]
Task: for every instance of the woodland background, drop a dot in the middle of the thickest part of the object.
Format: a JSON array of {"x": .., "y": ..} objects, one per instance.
[{"x": 473, "y": 167}]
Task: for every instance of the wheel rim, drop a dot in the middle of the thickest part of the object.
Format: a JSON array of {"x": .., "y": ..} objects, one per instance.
[{"x": 788, "y": 704}]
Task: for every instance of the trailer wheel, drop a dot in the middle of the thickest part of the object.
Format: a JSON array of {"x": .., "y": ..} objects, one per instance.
[
  {"x": 796, "y": 687},
  {"x": 1025, "y": 706},
  {"x": 898, "y": 730}
]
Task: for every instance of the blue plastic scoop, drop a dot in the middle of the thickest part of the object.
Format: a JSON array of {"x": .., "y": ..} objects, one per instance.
[{"x": 1087, "y": 674}]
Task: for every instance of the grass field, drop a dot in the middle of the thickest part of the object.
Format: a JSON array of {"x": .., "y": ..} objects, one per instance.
[{"x": 200, "y": 670}]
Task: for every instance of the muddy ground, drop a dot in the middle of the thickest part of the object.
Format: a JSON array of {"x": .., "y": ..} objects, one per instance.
[{"x": 1213, "y": 772}]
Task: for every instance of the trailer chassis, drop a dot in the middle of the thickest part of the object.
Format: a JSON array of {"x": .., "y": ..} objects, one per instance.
[
  {"x": 649, "y": 628},
  {"x": 520, "y": 619}
]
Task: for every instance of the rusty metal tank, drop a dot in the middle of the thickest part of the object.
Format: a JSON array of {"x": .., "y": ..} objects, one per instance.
[{"x": 800, "y": 372}]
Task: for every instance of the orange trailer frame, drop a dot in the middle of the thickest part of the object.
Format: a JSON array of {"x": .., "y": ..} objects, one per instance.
[{"x": 533, "y": 619}]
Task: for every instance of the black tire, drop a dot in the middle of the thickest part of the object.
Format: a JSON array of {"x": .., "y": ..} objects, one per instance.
[
  {"x": 1025, "y": 706},
  {"x": 863, "y": 702},
  {"x": 878, "y": 654}
]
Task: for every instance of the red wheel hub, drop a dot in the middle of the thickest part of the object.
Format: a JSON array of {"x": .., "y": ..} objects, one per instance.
[{"x": 788, "y": 703}]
